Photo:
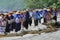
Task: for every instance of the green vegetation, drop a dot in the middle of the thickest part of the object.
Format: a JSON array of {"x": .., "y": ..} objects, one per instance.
[
  {"x": 42, "y": 3},
  {"x": 23, "y": 4}
]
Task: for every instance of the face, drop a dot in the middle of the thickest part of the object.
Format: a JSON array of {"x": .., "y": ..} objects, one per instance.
[
  {"x": 14, "y": 11},
  {"x": 22, "y": 14},
  {"x": 9, "y": 14},
  {"x": 2, "y": 15},
  {"x": 5, "y": 16}
]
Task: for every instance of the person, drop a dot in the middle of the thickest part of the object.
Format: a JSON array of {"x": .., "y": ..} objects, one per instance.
[
  {"x": 9, "y": 18},
  {"x": 55, "y": 14},
  {"x": 17, "y": 23},
  {"x": 44, "y": 14},
  {"x": 12, "y": 21},
  {"x": 55, "y": 17},
  {"x": 22, "y": 19},
  {"x": 30, "y": 17},
  {"x": 4, "y": 23},
  {"x": 48, "y": 16},
  {"x": 36, "y": 17},
  {"x": 41, "y": 16},
  {"x": 26, "y": 22},
  {"x": 1, "y": 27},
  {"x": 14, "y": 17}
]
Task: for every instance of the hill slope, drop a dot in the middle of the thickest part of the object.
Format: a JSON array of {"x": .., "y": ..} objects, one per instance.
[{"x": 11, "y": 4}]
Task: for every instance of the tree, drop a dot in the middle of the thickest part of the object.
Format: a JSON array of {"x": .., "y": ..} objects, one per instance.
[{"x": 41, "y": 3}]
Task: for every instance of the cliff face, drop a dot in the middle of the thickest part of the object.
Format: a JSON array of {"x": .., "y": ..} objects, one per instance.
[{"x": 11, "y": 4}]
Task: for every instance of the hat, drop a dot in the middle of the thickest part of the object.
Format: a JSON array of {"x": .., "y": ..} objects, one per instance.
[
  {"x": 5, "y": 13},
  {"x": 22, "y": 12},
  {"x": 36, "y": 9},
  {"x": 48, "y": 9},
  {"x": 17, "y": 12},
  {"x": 26, "y": 9},
  {"x": 40, "y": 10},
  {"x": 14, "y": 11},
  {"x": 44, "y": 9}
]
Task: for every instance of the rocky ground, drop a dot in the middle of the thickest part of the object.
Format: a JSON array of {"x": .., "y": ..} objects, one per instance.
[
  {"x": 41, "y": 32},
  {"x": 42, "y": 36}
]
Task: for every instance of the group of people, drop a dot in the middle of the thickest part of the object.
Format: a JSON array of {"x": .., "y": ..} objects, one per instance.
[{"x": 17, "y": 20}]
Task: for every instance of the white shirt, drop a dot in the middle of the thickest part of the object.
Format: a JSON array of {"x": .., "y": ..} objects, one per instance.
[
  {"x": 30, "y": 13},
  {"x": 17, "y": 20},
  {"x": 1, "y": 20}
]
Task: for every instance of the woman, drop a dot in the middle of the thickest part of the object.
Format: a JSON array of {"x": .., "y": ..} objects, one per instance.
[
  {"x": 48, "y": 16},
  {"x": 55, "y": 14},
  {"x": 4, "y": 23},
  {"x": 17, "y": 23},
  {"x": 22, "y": 19},
  {"x": 1, "y": 24},
  {"x": 36, "y": 17}
]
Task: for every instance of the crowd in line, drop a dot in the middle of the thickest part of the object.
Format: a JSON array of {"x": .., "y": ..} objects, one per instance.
[{"x": 16, "y": 20}]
